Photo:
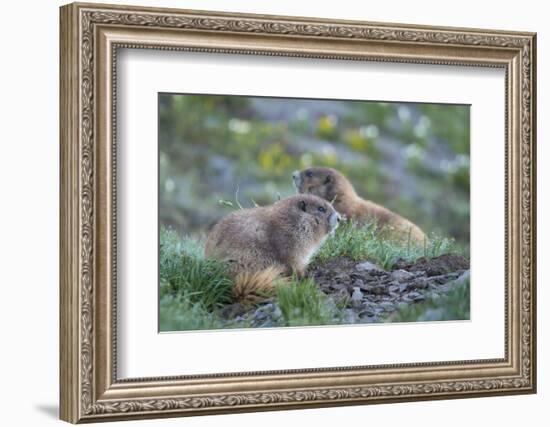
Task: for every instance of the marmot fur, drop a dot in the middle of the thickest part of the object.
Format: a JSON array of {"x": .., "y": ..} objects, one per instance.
[
  {"x": 264, "y": 242},
  {"x": 331, "y": 185}
]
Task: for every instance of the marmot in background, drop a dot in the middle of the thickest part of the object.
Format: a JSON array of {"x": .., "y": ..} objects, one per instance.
[
  {"x": 331, "y": 185},
  {"x": 262, "y": 243}
]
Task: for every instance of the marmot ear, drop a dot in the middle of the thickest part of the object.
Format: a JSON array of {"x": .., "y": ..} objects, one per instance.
[
  {"x": 328, "y": 179},
  {"x": 302, "y": 205}
]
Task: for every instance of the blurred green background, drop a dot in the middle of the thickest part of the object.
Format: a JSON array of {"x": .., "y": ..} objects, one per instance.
[{"x": 412, "y": 158}]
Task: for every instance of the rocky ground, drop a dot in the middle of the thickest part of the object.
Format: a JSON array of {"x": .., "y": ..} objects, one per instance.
[{"x": 362, "y": 292}]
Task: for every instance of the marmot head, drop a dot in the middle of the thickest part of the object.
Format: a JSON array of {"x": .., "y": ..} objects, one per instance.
[
  {"x": 326, "y": 183},
  {"x": 316, "y": 211}
]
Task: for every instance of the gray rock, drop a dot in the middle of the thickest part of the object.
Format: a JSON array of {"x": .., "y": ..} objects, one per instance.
[
  {"x": 368, "y": 266},
  {"x": 350, "y": 316},
  {"x": 260, "y": 315},
  {"x": 370, "y": 319},
  {"x": 359, "y": 283},
  {"x": 277, "y": 314},
  {"x": 416, "y": 296},
  {"x": 269, "y": 307},
  {"x": 393, "y": 288},
  {"x": 388, "y": 306},
  {"x": 368, "y": 305},
  {"x": 444, "y": 278},
  {"x": 403, "y": 287},
  {"x": 401, "y": 275},
  {"x": 356, "y": 297},
  {"x": 378, "y": 310},
  {"x": 366, "y": 313},
  {"x": 341, "y": 295},
  {"x": 376, "y": 289},
  {"x": 421, "y": 283}
]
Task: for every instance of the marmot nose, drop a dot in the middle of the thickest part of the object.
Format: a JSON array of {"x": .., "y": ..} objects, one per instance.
[{"x": 295, "y": 174}]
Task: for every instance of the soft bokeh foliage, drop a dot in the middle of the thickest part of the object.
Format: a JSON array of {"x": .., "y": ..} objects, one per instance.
[{"x": 217, "y": 152}]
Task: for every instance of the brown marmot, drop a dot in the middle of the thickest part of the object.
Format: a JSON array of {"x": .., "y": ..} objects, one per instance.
[
  {"x": 284, "y": 235},
  {"x": 334, "y": 187},
  {"x": 263, "y": 243}
]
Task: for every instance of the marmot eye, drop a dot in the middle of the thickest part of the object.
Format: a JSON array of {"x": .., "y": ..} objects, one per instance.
[
  {"x": 309, "y": 174},
  {"x": 321, "y": 209}
]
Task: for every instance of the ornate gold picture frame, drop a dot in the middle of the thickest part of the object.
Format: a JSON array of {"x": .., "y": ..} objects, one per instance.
[{"x": 90, "y": 37}]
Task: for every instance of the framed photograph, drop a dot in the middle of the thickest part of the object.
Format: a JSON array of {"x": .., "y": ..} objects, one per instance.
[{"x": 266, "y": 212}]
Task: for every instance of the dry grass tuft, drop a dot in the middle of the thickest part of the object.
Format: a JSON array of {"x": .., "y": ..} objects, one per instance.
[{"x": 255, "y": 287}]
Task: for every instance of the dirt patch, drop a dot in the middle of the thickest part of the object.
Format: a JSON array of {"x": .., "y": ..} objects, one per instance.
[
  {"x": 434, "y": 266},
  {"x": 370, "y": 292},
  {"x": 366, "y": 292}
]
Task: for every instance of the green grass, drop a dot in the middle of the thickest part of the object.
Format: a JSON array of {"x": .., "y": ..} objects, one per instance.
[
  {"x": 303, "y": 304},
  {"x": 177, "y": 313},
  {"x": 368, "y": 243},
  {"x": 455, "y": 305},
  {"x": 193, "y": 289},
  {"x": 184, "y": 271}
]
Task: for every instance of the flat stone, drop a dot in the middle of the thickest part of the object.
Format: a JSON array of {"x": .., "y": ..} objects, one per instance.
[
  {"x": 376, "y": 289},
  {"x": 401, "y": 275},
  {"x": 444, "y": 278},
  {"x": 368, "y": 266},
  {"x": 388, "y": 306},
  {"x": 368, "y": 313},
  {"x": 260, "y": 315},
  {"x": 359, "y": 283},
  {"x": 421, "y": 283},
  {"x": 373, "y": 319},
  {"x": 393, "y": 288},
  {"x": 416, "y": 296},
  {"x": 419, "y": 273},
  {"x": 356, "y": 297}
]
